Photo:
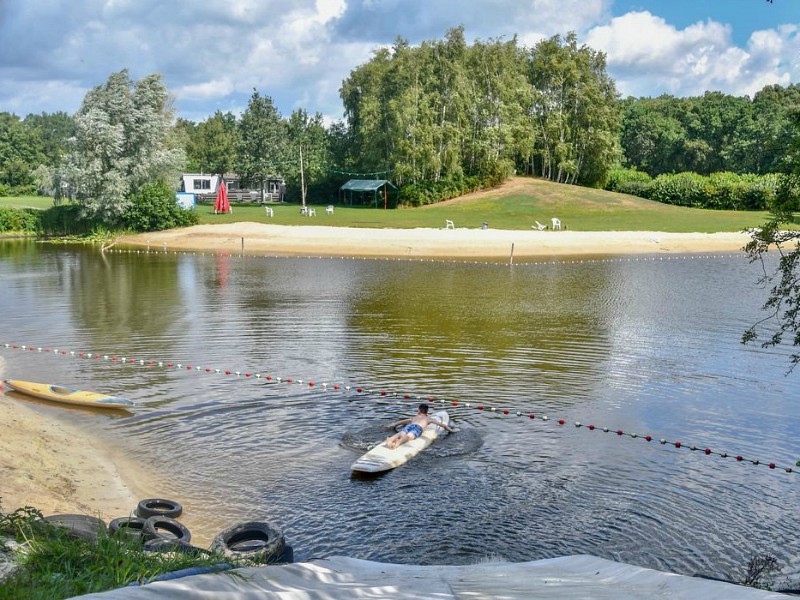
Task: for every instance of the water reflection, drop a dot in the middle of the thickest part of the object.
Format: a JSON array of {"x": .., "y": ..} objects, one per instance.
[{"x": 650, "y": 347}]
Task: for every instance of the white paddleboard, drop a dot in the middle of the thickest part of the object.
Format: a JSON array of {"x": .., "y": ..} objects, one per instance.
[{"x": 382, "y": 458}]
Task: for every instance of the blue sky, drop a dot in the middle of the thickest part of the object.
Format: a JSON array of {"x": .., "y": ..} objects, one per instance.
[
  {"x": 213, "y": 54},
  {"x": 744, "y": 16}
]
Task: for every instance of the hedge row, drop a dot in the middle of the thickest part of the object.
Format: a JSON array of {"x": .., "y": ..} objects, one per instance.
[
  {"x": 430, "y": 192},
  {"x": 19, "y": 220},
  {"x": 153, "y": 208},
  {"x": 724, "y": 191}
]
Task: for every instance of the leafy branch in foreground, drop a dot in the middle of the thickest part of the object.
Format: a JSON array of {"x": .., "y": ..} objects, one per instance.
[
  {"x": 760, "y": 568},
  {"x": 783, "y": 302}
]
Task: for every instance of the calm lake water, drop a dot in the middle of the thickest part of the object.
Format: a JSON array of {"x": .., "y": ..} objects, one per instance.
[{"x": 645, "y": 346}]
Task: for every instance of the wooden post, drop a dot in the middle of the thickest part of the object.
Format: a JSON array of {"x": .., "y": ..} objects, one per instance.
[
  {"x": 242, "y": 246},
  {"x": 511, "y": 259}
]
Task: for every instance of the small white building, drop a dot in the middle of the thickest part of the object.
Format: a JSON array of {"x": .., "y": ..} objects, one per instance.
[
  {"x": 205, "y": 187},
  {"x": 199, "y": 183}
]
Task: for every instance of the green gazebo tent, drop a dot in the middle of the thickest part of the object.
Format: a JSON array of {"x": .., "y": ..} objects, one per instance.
[{"x": 376, "y": 186}]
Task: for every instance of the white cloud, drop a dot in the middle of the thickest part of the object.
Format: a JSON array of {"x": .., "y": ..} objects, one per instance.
[
  {"x": 646, "y": 53},
  {"x": 213, "y": 54}
]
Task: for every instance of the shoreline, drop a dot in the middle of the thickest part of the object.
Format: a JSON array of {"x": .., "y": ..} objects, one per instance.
[
  {"x": 491, "y": 244},
  {"x": 57, "y": 468}
]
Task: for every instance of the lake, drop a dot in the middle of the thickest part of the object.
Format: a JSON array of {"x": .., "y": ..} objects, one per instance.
[{"x": 246, "y": 370}]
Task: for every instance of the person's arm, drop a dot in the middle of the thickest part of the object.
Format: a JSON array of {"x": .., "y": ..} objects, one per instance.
[
  {"x": 441, "y": 424},
  {"x": 396, "y": 423}
]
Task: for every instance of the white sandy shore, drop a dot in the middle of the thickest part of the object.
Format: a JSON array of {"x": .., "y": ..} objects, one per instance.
[{"x": 281, "y": 240}]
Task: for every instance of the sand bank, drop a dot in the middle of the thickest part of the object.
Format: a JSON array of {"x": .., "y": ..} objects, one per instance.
[
  {"x": 281, "y": 240},
  {"x": 55, "y": 467}
]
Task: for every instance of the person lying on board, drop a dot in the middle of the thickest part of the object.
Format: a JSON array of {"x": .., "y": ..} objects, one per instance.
[{"x": 414, "y": 426}]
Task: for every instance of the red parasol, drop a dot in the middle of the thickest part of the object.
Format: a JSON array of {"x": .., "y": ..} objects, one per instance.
[{"x": 222, "y": 205}]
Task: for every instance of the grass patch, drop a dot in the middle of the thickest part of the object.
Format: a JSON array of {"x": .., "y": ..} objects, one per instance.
[
  {"x": 37, "y": 202},
  {"x": 54, "y": 564},
  {"x": 516, "y": 204}
]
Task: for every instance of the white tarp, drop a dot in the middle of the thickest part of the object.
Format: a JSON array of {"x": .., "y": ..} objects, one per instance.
[{"x": 338, "y": 577}]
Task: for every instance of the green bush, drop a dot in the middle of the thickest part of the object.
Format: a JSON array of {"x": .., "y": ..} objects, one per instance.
[
  {"x": 786, "y": 199},
  {"x": 642, "y": 189},
  {"x": 620, "y": 176},
  {"x": 761, "y": 191},
  {"x": 681, "y": 189},
  {"x": 19, "y": 220},
  {"x": 723, "y": 191},
  {"x": 27, "y": 189},
  {"x": 154, "y": 208},
  {"x": 430, "y": 192},
  {"x": 65, "y": 219}
]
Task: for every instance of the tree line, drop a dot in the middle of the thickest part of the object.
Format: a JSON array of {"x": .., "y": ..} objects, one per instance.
[
  {"x": 438, "y": 119},
  {"x": 446, "y": 110},
  {"x": 711, "y": 133}
]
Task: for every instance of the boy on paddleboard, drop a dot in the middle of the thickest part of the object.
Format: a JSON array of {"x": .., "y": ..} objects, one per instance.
[{"x": 414, "y": 426}]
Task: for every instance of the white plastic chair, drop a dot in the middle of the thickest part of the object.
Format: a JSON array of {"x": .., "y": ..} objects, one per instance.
[
  {"x": 304, "y": 210},
  {"x": 448, "y": 224},
  {"x": 556, "y": 223},
  {"x": 270, "y": 212},
  {"x": 539, "y": 226},
  {"x": 312, "y": 212},
  {"x": 329, "y": 210}
]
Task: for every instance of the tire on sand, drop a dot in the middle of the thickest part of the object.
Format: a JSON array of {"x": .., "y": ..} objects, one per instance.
[
  {"x": 158, "y": 507},
  {"x": 78, "y": 526},
  {"x": 166, "y": 529},
  {"x": 176, "y": 546},
  {"x": 128, "y": 526},
  {"x": 254, "y": 541}
]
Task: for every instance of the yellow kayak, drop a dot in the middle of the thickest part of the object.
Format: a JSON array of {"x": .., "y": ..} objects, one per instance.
[{"x": 58, "y": 393}]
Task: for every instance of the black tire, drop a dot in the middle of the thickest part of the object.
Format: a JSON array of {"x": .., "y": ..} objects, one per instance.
[
  {"x": 158, "y": 507},
  {"x": 254, "y": 541},
  {"x": 166, "y": 529},
  {"x": 79, "y": 526},
  {"x": 127, "y": 526},
  {"x": 164, "y": 545}
]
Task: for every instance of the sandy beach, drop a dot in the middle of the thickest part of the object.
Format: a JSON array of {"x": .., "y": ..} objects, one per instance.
[
  {"x": 57, "y": 468},
  {"x": 459, "y": 243}
]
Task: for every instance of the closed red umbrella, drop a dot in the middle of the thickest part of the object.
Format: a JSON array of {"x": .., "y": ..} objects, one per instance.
[{"x": 221, "y": 205}]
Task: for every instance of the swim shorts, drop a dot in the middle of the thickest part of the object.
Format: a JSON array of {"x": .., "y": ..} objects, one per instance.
[{"x": 413, "y": 429}]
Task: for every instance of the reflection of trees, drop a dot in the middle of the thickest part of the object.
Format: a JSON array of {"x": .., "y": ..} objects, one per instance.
[
  {"x": 283, "y": 308},
  {"x": 481, "y": 321},
  {"x": 18, "y": 250},
  {"x": 124, "y": 295}
]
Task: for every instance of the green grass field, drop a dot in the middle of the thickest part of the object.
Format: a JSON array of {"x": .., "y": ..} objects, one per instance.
[
  {"x": 516, "y": 204},
  {"x": 40, "y": 202}
]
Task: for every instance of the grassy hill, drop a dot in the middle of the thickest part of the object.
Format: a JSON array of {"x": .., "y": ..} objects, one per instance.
[{"x": 516, "y": 204}]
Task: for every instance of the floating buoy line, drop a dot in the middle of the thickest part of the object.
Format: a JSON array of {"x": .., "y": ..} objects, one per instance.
[
  {"x": 370, "y": 392},
  {"x": 162, "y": 251}
]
